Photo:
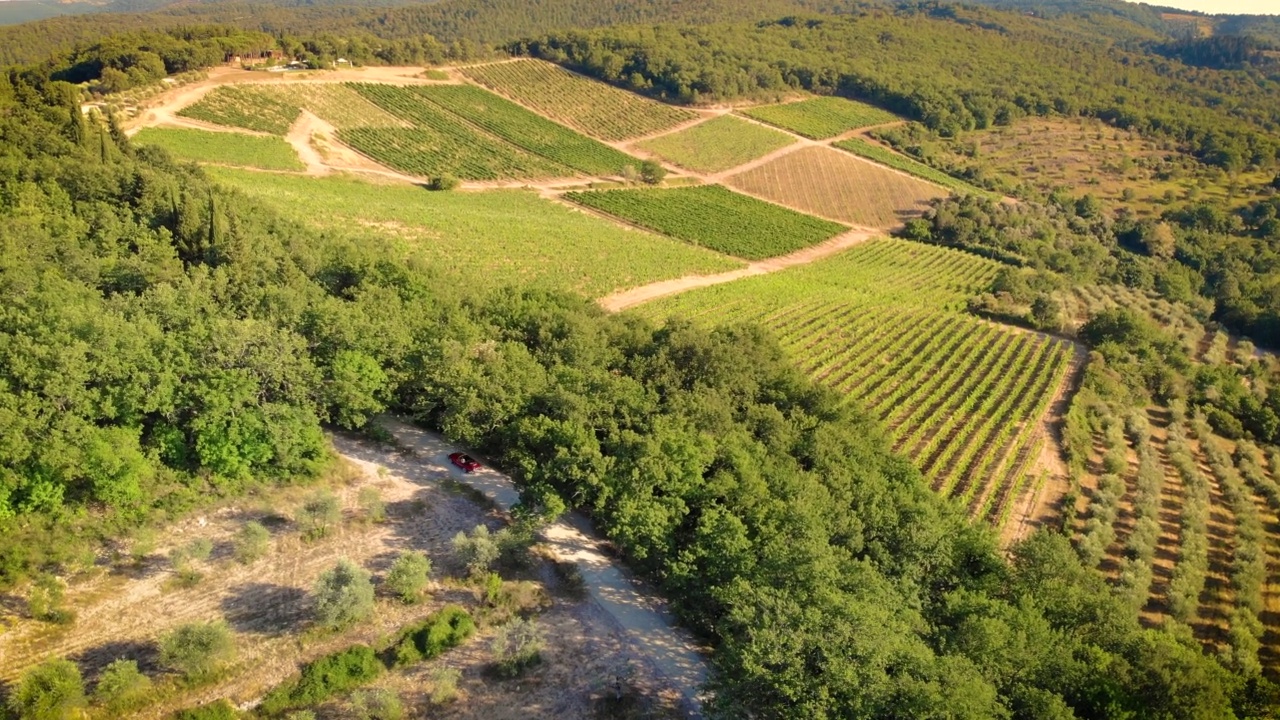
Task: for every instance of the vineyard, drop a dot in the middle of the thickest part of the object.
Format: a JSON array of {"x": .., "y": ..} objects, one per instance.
[
  {"x": 1186, "y": 525},
  {"x": 591, "y": 107},
  {"x": 898, "y": 161},
  {"x": 336, "y": 103},
  {"x": 884, "y": 324},
  {"x": 714, "y": 217},
  {"x": 835, "y": 185},
  {"x": 440, "y": 142},
  {"x": 821, "y": 118},
  {"x": 485, "y": 240},
  {"x": 242, "y": 106},
  {"x": 718, "y": 144},
  {"x": 526, "y": 130},
  {"x": 222, "y": 148}
]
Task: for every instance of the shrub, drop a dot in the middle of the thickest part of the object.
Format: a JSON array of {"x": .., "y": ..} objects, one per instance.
[
  {"x": 652, "y": 172},
  {"x": 318, "y": 515},
  {"x": 45, "y": 602},
  {"x": 409, "y": 575},
  {"x": 378, "y": 704},
  {"x": 197, "y": 550},
  {"x": 439, "y": 632},
  {"x": 252, "y": 542},
  {"x": 197, "y": 650},
  {"x": 516, "y": 647},
  {"x": 217, "y": 710},
  {"x": 477, "y": 552},
  {"x": 344, "y": 595},
  {"x": 323, "y": 678},
  {"x": 443, "y": 183},
  {"x": 444, "y": 685},
  {"x": 370, "y": 500},
  {"x": 51, "y": 690},
  {"x": 121, "y": 687}
]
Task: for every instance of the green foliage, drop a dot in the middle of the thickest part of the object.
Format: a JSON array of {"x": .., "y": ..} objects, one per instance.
[
  {"x": 409, "y": 575},
  {"x": 379, "y": 704},
  {"x": 526, "y": 130},
  {"x": 52, "y": 690},
  {"x": 444, "y": 685},
  {"x": 319, "y": 514},
  {"x": 443, "y": 183},
  {"x": 476, "y": 552},
  {"x": 652, "y": 172},
  {"x": 251, "y": 543},
  {"x": 591, "y": 107},
  {"x": 821, "y": 118},
  {"x": 718, "y": 144},
  {"x": 446, "y": 629},
  {"x": 244, "y": 106},
  {"x": 46, "y": 600},
  {"x": 343, "y": 596},
  {"x": 355, "y": 388},
  {"x": 323, "y": 678},
  {"x": 225, "y": 148},
  {"x": 197, "y": 650},
  {"x": 516, "y": 647},
  {"x": 121, "y": 687},
  {"x": 216, "y": 710},
  {"x": 714, "y": 217}
]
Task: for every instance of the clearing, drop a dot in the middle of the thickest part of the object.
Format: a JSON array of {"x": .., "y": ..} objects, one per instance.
[
  {"x": 484, "y": 239},
  {"x": 833, "y": 184}
]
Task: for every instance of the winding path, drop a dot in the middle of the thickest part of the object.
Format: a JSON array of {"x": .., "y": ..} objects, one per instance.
[{"x": 644, "y": 618}]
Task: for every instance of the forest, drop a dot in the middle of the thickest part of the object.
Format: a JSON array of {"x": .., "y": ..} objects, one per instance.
[{"x": 166, "y": 342}]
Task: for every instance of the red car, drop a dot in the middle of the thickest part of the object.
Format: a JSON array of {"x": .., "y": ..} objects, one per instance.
[{"x": 464, "y": 461}]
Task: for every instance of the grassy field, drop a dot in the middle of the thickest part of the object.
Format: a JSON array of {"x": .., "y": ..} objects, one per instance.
[
  {"x": 717, "y": 144},
  {"x": 884, "y": 323},
  {"x": 223, "y": 148},
  {"x": 835, "y": 185},
  {"x": 591, "y": 107},
  {"x": 244, "y": 106},
  {"x": 526, "y": 130},
  {"x": 440, "y": 142},
  {"x": 487, "y": 239},
  {"x": 714, "y": 217},
  {"x": 821, "y": 118},
  {"x": 898, "y": 161},
  {"x": 1089, "y": 156}
]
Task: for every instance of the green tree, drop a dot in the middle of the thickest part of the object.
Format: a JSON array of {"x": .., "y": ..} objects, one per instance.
[
  {"x": 319, "y": 514},
  {"x": 197, "y": 650},
  {"x": 121, "y": 687},
  {"x": 409, "y": 575},
  {"x": 476, "y": 552},
  {"x": 343, "y": 596},
  {"x": 252, "y": 541},
  {"x": 652, "y": 172},
  {"x": 52, "y": 690},
  {"x": 355, "y": 388}
]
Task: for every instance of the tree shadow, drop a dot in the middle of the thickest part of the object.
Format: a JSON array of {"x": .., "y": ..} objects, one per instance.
[
  {"x": 91, "y": 661},
  {"x": 265, "y": 608}
]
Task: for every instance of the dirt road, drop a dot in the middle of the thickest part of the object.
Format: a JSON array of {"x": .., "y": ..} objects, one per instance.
[
  {"x": 643, "y": 618},
  {"x": 637, "y": 296}
]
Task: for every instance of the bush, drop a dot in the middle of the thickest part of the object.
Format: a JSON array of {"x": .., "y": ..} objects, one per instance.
[
  {"x": 197, "y": 650},
  {"x": 444, "y": 630},
  {"x": 252, "y": 542},
  {"x": 344, "y": 595},
  {"x": 409, "y": 575},
  {"x": 477, "y": 552},
  {"x": 443, "y": 183},
  {"x": 652, "y": 172},
  {"x": 197, "y": 550},
  {"x": 379, "y": 704},
  {"x": 45, "y": 602},
  {"x": 51, "y": 690},
  {"x": 516, "y": 647},
  {"x": 121, "y": 687},
  {"x": 324, "y": 678},
  {"x": 217, "y": 710},
  {"x": 444, "y": 685},
  {"x": 318, "y": 515},
  {"x": 370, "y": 500}
]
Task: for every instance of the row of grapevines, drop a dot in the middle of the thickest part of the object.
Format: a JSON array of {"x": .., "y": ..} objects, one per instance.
[
  {"x": 898, "y": 161},
  {"x": 524, "y": 129},
  {"x": 244, "y": 106},
  {"x": 821, "y": 118},
  {"x": 714, "y": 217}
]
